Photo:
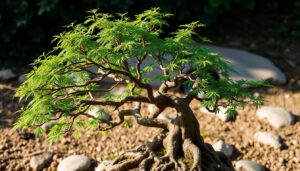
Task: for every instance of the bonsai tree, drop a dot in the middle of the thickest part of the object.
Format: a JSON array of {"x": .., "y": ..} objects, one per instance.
[{"x": 72, "y": 79}]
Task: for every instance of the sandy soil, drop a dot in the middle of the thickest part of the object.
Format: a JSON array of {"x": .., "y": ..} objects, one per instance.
[
  {"x": 259, "y": 33},
  {"x": 16, "y": 149}
]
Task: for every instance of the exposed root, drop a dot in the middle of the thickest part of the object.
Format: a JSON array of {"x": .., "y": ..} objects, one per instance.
[
  {"x": 172, "y": 143},
  {"x": 180, "y": 148},
  {"x": 183, "y": 166},
  {"x": 146, "y": 158},
  {"x": 190, "y": 149}
]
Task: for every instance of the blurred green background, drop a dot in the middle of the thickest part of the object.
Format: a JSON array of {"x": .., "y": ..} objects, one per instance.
[{"x": 27, "y": 26}]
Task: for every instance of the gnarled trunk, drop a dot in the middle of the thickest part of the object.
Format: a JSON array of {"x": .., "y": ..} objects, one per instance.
[
  {"x": 203, "y": 156},
  {"x": 182, "y": 146}
]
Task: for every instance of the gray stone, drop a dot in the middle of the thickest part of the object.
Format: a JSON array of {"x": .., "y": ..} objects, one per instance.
[
  {"x": 166, "y": 117},
  {"x": 103, "y": 165},
  {"x": 74, "y": 163},
  {"x": 223, "y": 147},
  {"x": 39, "y": 162},
  {"x": 249, "y": 66},
  {"x": 6, "y": 74},
  {"x": 276, "y": 116},
  {"x": 48, "y": 125},
  {"x": 268, "y": 138},
  {"x": 221, "y": 114},
  {"x": 248, "y": 165},
  {"x": 99, "y": 113}
]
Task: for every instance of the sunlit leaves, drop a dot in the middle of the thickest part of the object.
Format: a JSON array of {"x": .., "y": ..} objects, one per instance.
[
  {"x": 57, "y": 131},
  {"x": 63, "y": 78}
]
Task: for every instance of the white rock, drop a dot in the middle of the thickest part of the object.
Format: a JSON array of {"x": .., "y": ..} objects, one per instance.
[
  {"x": 268, "y": 138},
  {"x": 74, "y": 163},
  {"x": 99, "y": 113},
  {"x": 248, "y": 165},
  {"x": 103, "y": 165},
  {"x": 47, "y": 126},
  {"x": 223, "y": 147},
  {"x": 6, "y": 74},
  {"x": 248, "y": 65},
  {"x": 221, "y": 114},
  {"x": 39, "y": 162},
  {"x": 166, "y": 117},
  {"x": 276, "y": 116}
]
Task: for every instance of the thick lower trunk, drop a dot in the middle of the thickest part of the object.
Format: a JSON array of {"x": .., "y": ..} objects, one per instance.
[
  {"x": 183, "y": 145},
  {"x": 188, "y": 123},
  {"x": 203, "y": 156}
]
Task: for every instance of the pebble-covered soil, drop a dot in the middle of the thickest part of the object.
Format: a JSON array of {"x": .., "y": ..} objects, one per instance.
[
  {"x": 16, "y": 149},
  {"x": 256, "y": 33}
]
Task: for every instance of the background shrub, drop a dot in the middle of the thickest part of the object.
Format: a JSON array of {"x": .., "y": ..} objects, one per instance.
[{"x": 26, "y": 26}]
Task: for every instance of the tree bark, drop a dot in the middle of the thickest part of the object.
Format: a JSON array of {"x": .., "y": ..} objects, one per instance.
[{"x": 183, "y": 147}]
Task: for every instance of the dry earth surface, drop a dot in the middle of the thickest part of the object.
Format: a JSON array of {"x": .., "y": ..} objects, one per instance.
[
  {"x": 256, "y": 33},
  {"x": 16, "y": 149}
]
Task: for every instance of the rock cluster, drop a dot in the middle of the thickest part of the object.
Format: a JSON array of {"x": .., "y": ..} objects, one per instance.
[{"x": 259, "y": 134}]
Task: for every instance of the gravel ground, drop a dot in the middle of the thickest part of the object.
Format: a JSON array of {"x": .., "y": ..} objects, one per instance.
[
  {"x": 255, "y": 33},
  {"x": 16, "y": 149}
]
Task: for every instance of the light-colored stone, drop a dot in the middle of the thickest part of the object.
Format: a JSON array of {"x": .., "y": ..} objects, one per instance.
[
  {"x": 48, "y": 125},
  {"x": 221, "y": 114},
  {"x": 248, "y": 165},
  {"x": 276, "y": 116},
  {"x": 166, "y": 117},
  {"x": 6, "y": 74},
  {"x": 103, "y": 165},
  {"x": 223, "y": 147},
  {"x": 99, "y": 113},
  {"x": 39, "y": 162},
  {"x": 268, "y": 138},
  {"x": 74, "y": 163},
  {"x": 249, "y": 66}
]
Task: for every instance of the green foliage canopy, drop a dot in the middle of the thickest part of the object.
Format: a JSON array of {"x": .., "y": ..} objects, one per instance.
[{"x": 61, "y": 85}]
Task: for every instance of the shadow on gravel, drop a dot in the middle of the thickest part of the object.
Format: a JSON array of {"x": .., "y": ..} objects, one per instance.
[{"x": 9, "y": 105}]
